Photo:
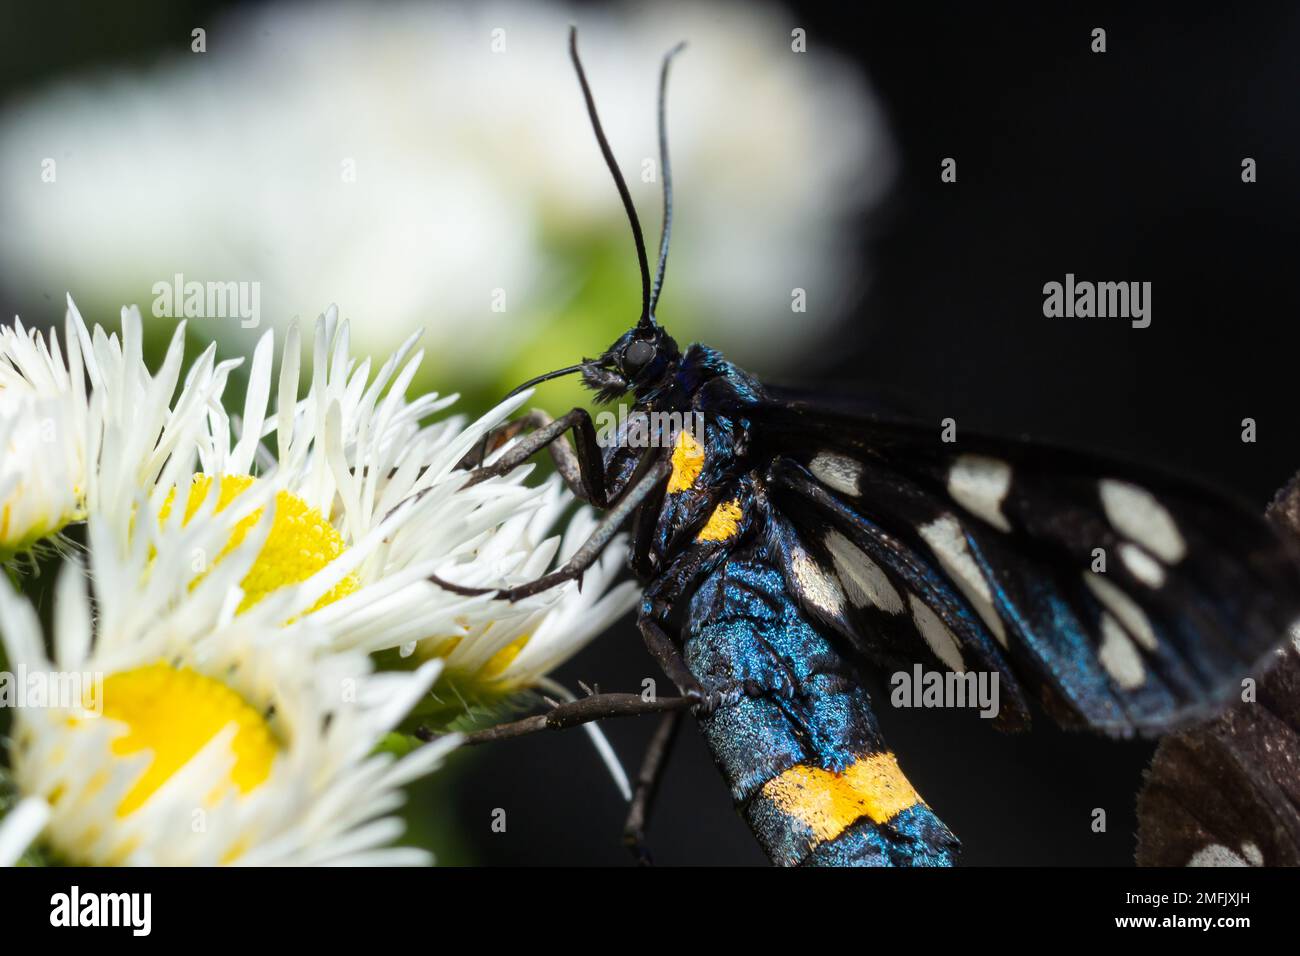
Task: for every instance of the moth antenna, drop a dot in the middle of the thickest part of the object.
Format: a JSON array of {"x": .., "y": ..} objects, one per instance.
[
  {"x": 665, "y": 169},
  {"x": 646, "y": 318},
  {"x": 542, "y": 378}
]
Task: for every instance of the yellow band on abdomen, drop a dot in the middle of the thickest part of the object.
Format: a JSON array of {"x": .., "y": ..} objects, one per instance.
[{"x": 828, "y": 803}]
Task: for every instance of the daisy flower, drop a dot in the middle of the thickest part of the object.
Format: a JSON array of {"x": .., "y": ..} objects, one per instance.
[
  {"x": 370, "y": 502},
  {"x": 65, "y": 446},
  {"x": 207, "y": 736},
  {"x": 43, "y": 415}
]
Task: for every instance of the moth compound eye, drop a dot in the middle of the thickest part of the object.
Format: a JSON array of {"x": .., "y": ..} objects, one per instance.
[{"x": 637, "y": 356}]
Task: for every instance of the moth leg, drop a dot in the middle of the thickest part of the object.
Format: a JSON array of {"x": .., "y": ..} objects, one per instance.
[
  {"x": 652, "y": 618},
  {"x": 647, "y": 785},
  {"x": 573, "y": 714},
  {"x": 670, "y": 659},
  {"x": 566, "y": 460},
  {"x": 585, "y": 556},
  {"x": 583, "y": 471},
  {"x": 643, "y": 529}
]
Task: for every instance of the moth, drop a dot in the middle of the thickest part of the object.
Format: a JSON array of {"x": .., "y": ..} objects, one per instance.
[
  {"x": 1227, "y": 792},
  {"x": 786, "y": 548}
]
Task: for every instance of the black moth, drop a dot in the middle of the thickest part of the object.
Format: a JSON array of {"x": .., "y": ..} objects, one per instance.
[
  {"x": 1227, "y": 792},
  {"x": 785, "y": 547}
]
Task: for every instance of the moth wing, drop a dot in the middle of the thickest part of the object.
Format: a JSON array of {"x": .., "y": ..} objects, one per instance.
[{"x": 1126, "y": 600}]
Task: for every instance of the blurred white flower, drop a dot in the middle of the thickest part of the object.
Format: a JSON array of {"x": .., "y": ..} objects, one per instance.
[
  {"x": 199, "y": 736},
  {"x": 421, "y": 161}
]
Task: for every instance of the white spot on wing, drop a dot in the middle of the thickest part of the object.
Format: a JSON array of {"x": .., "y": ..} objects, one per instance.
[
  {"x": 1253, "y": 855},
  {"x": 837, "y": 472},
  {"x": 936, "y": 634},
  {"x": 819, "y": 588},
  {"x": 1124, "y": 608},
  {"x": 980, "y": 485},
  {"x": 1143, "y": 567},
  {"x": 1216, "y": 854},
  {"x": 863, "y": 579},
  {"x": 945, "y": 537},
  {"x": 1119, "y": 655},
  {"x": 1135, "y": 513}
]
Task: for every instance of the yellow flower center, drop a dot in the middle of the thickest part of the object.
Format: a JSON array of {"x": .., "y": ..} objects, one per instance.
[
  {"x": 502, "y": 659},
  {"x": 173, "y": 713},
  {"x": 482, "y": 681},
  {"x": 301, "y": 542}
]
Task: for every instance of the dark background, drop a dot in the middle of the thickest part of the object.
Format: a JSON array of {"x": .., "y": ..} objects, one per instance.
[{"x": 1117, "y": 166}]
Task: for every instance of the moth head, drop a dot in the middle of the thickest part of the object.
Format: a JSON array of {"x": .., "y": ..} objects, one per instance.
[{"x": 641, "y": 360}]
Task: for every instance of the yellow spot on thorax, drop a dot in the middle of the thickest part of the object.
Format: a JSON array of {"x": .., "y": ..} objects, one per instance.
[
  {"x": 828, "y": 803},
  {"x": 723, "y": 522},
  {"x": 173, "y": 713},
  {"x": 300, "y": 543},
  {"x": 688, "y": 462}
]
